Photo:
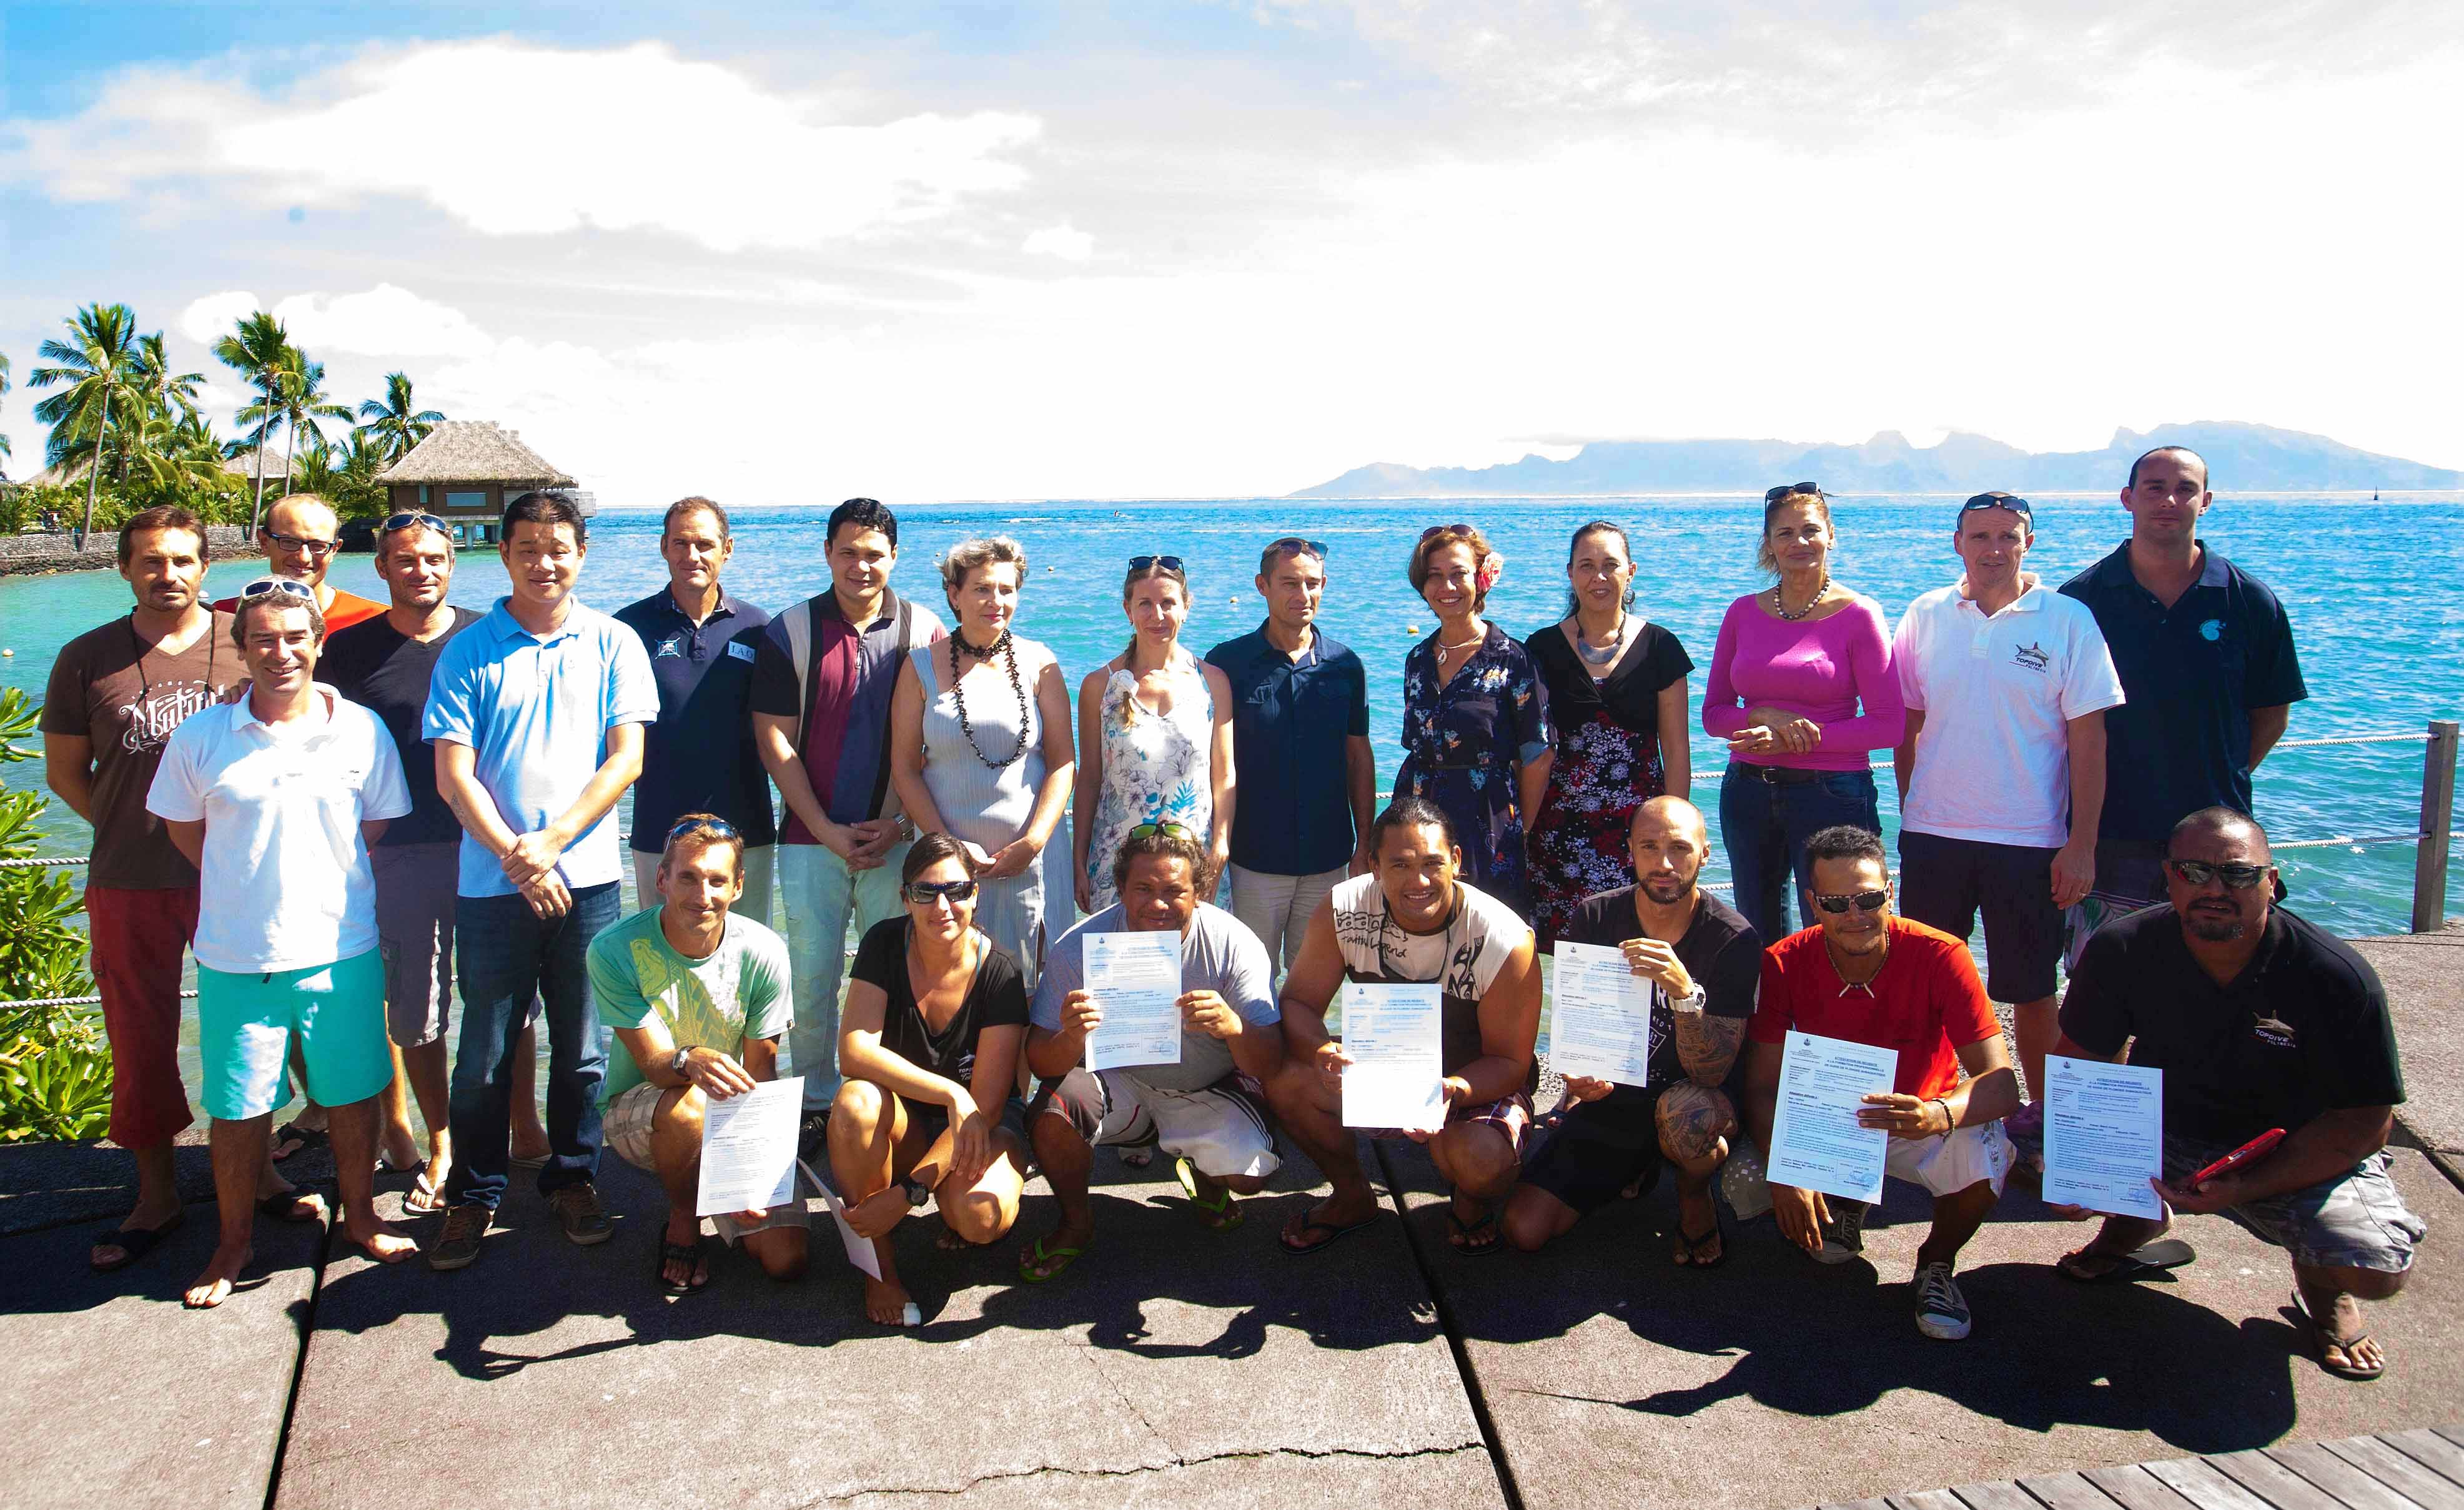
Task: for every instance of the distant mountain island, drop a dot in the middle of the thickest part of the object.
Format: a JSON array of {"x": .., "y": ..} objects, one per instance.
[{"x": 2244, "y": 458}]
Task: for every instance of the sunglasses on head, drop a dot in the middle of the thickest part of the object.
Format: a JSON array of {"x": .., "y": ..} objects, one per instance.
[
  {"x": 1805, "y": 489},
  {"x": 1999, "y": 500},
  {"x": 1862, "y": 901},
  {"x": 266, "y": 586},
  {"x": 1167, "y": 830},
  {"x": 924, "y": 893},
  {"x": 403, "y": 521},
  {"x": 293, "y": 542},
  {"x": 1170, "y": 564},
  {"x": 2199, "y": 872},
  {"x": 1295, "y": 545},
  {"x": 718, "y": 826},
  {"x": 1436, "y": 530}
]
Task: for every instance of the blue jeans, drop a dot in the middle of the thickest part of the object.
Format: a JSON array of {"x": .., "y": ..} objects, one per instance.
[
  {"x": 1764, "y": 828},
  {"x": 506, "y": 955}
]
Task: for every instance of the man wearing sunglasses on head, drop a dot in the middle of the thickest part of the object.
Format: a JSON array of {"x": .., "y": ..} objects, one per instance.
[
  {"x": 1866, "y": 976},
  {"x": 2260, "y": 1020}
]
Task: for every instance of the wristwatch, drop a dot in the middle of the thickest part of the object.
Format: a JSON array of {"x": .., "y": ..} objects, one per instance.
[
  {"x": 1694, "y": 1000},
  {"x": 917, "y": 1194},
  {"x": 677, "y": 1062}
]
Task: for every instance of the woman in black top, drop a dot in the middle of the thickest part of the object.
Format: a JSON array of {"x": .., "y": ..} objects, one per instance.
[
  {"x": 1618, "y": 711},
  {"x": 929, "y": 1041}
]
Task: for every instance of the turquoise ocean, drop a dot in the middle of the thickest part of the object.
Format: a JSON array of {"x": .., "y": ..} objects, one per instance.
[{"x": 2369, "y": 585}]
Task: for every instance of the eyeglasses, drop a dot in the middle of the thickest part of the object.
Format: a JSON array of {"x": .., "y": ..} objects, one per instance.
[
  {"x": 924, "y": 893},
  {"x": 1295, "y": 545},
  {"x": 403, "y": 521},
  {"x": 717, "y": 827},
  {"x": 2199, "y": 872},
  {"x": 266, "y": 586},
  {"x": 1999, "y": 500},
  {"x": 1170, "y": 564},
  {"x": 1809, "y": 489},
  {"x": 293, "y": 542},
  {"x": 1167, "y": 830},
  {"x": 1436, "y": 530},
  {"x": 1862, "y": 901}
]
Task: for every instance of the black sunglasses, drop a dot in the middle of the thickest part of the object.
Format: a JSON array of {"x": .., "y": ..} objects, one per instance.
[
  {"x": 1807, "y": 490},
  {"x": 266, "y": 586},
  {"x": 718, "y": 826},
  {"x": 1862, "y": 901},
  {"x": 1999, "y": 500},
  {"x": 1295, "y": 545},
  {"x": 403, "y": 521},
  {"x": 2199, "y": 872},
  {"x": 1436, "y": 530},
  {"x": 924, "y": 893},
  {"x": 1170, "y": 564}
]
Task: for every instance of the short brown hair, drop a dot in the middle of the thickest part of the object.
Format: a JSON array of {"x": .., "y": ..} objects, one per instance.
[
  {"x": 703, "y": 830},
  {"x": 249, "y": 605},
  {"x": 164, "y": 516},
  {"x": 696, "y": 504},
  {"x": 1482, "y": 557}
]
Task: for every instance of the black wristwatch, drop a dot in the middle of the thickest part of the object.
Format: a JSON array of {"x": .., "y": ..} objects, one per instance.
[{"x": 918, "y": 1193}]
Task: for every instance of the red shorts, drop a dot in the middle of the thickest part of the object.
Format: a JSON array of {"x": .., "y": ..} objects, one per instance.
[{"x": 138, "y": 939}]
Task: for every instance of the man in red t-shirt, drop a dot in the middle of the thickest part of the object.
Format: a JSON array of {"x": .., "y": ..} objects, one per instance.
[{"x": 1872, "y": 978}]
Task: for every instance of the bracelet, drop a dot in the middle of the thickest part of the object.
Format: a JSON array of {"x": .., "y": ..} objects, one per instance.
[{"x": 1950, "y": 1123}]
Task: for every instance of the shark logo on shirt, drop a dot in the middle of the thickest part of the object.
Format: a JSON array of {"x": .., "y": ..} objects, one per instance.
[
  {"x": 673, "y": 645},
  {"x": 2274, "y": 1033},
  {"x": 2031, "y": 657}
]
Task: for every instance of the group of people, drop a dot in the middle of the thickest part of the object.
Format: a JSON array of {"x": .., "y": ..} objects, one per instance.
[{"x": 355, "y": 812}]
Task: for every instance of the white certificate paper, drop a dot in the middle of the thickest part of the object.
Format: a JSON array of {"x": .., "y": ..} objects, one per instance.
[
  {"x": 1135, "y": 979},
  {"x": 748, "y": 1148},
  {"x": 1396, "y": 1078},
  {"x": 859, "y": 1250},
  {"x": 1600, "y": 1024},
  {"x": 1816, "y": 1141},
  {"x": 2105, "y": 1135}
]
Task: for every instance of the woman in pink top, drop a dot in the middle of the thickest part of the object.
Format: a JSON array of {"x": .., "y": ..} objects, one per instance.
[{"x": 1802, "y": 688}]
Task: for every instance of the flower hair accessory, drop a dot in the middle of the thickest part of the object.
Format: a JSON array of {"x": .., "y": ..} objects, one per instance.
[{"x": 1493, "y": 566}]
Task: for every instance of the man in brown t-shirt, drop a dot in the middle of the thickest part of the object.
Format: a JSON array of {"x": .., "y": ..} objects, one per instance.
[{"x": 116, "y": 694}]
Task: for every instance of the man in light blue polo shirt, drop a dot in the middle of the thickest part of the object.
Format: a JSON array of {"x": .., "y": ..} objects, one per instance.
[{"x": 536, "y": 714}]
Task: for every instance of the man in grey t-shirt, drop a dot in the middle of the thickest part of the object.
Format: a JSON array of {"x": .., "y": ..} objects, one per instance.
[{"x": 1208, "y": 1110}]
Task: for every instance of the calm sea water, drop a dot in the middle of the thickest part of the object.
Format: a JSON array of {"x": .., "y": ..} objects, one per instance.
[{"x": 2369, "y": 586}]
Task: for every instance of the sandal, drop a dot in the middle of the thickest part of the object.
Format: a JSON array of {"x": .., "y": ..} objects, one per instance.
[
  {"x": 1460, "y": 1232},
  {"x": 1689, "y": 1247},
  {"x": 134, "y": 1244},
  {"x": 1223, "y": 1215},
  {"x": 1041, "y": 1264},
  {"x": 423, "y": 1198},
  {"x": 308, "y": 1140},
  {"x": 687, "y": 1254},
  {"x": 2320, "y": 1342},
  {"x": 2166, "y": 1253},
  {"x": 285, "y": 1205},
  {"x": 1335, "y": 1232}
]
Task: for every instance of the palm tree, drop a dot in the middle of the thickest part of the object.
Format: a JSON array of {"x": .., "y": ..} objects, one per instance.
[
  {"x": 258, "y": 349},
  {"x": 165, "y": 389},
  {"x": 303, "y": 401},
  {"x": 391, "y": 422},
  {"x": 4, "y": 393},
  {"x": 98, "y": 366}
]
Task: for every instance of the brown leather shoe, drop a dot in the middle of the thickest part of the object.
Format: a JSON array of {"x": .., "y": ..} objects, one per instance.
[
  {"x": 584, "y": 1219},
  {"x": 457, "y": 1246}
]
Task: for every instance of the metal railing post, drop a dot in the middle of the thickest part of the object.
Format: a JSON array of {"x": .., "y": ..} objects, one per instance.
[{"x": 2437, "y": 828}]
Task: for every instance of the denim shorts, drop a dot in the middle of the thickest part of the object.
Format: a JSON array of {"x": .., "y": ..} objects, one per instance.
[{"x": 2354, "y": 1221}]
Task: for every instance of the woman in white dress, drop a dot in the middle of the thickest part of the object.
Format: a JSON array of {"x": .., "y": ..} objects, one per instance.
[
  {"x": 979, "y": 742},
  {"x": 1154, "y": 724}
]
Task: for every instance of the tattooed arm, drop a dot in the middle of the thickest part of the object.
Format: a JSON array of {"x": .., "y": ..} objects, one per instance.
[{"x": 1707, "y": 1044}]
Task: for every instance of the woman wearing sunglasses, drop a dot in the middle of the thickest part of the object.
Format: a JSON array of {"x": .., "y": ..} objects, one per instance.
[
  {"x": 1154, "y": 724},
  {"x": 1803, "y": 691},
  {"x": 936, "y": 1019},
  {"x": 1475, "y": 735},
  {"x": 980, "y": 741}
]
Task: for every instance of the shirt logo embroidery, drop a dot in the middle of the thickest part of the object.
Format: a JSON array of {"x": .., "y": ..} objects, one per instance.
[
  {"x": 674, "y": 644},
  {"x": 2274, "y": 1032},
  {"x": 742, "y": 652},
  {"x": 2212, "y": 631},
  {"x": 2031, "y": 657}
]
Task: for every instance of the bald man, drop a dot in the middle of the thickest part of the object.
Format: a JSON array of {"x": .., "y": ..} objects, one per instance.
[{"x": 1703, "y": 960}]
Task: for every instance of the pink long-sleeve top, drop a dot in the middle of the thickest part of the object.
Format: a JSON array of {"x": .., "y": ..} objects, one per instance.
[{"x": 1821, "y": 671}]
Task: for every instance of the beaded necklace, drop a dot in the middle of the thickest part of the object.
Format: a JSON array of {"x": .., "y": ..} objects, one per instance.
[{"x": 1002, "y": 647}]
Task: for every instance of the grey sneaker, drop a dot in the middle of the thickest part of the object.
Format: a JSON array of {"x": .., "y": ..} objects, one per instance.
[
  {"x": 1942, "y": 1311},
  {"x": 585, "y": 1219},
  {"x": 457, "y": 1246},
  {"x": 1844, "y": 1236}
]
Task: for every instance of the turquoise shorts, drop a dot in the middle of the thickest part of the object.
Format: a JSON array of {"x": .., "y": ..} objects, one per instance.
[{"x": 246, "y": 1024}]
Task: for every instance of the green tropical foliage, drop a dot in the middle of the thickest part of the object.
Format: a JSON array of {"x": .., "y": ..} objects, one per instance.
[
  {"x": 54, "y": 1062},
  {"x": 394, "y": 422},
  {"x": 96, "y": 372},
  {"x": 258, "y": 349},
  {"x": 4, "y": 393},
  {"x": 344, "y": 475}
]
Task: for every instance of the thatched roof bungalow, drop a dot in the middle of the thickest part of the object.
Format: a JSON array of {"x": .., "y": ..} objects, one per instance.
[{"x": 465, "y": 471}]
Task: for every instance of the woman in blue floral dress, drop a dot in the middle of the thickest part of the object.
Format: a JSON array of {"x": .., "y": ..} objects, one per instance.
[{"x": 1475, "y": 730}]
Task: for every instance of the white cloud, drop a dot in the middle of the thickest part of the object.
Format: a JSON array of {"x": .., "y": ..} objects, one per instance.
[
  {"x": 1066, "y": 242},
  {"x": 385, "y": 321},
  {"x": 513, "y": 140},
  {"x": 210, "y": 319}
]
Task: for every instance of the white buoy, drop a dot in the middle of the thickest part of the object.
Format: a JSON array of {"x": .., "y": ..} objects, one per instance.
[{"x": 8, "y": 654}]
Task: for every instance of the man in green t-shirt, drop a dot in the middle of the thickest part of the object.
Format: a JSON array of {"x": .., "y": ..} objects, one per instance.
[{"x": 699, "y": 1001}]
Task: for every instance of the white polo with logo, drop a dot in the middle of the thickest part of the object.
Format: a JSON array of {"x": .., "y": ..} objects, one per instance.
[{"x": 1997, "y": 693}]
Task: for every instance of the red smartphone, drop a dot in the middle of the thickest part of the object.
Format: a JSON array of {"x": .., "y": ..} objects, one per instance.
[{"x": 2239, "y": 1156}]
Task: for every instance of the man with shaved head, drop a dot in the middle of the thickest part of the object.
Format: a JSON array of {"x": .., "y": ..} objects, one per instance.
[
  {"x": 1702, "y": 959},
  {"x": 2259, "y": 1019}
]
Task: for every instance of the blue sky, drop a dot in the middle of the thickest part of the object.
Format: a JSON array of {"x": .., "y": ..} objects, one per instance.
[{"x": 965, "y": 251}]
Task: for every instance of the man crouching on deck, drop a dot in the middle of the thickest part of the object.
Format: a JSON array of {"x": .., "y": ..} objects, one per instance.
[
  {"x": 698, "y": 999},
  {"x": 1868, "y": 977},
  {"x": 1413, "y": 919}
]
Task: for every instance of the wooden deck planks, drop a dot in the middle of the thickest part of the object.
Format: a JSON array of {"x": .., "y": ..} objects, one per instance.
[
  {"x": 1995, "y": 1496},
  {"x": 2398, "y": 1471},
  {"x": 2347, "y": 1483},
  {"x": 2430, "y": 1449},
  {"x": 2420, "y": 1469},
  {"x": 2274, "y": 1483},
  {"x": 2136, "y": 1488},
  {"x": 2067, "y": 1492},
  {"x": 2205, "y": 1486}
]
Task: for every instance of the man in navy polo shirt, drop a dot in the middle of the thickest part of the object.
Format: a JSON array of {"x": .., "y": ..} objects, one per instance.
[
  {"x": 1300, "y": 740},
  {"x": 703, "y": 643},
  {"x": 2209, "y": 675}
]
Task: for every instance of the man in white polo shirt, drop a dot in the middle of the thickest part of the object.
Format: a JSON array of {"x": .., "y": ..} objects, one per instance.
[
  {"x": 275, "y": 798},
  {"x": 2002, "y": 769}
]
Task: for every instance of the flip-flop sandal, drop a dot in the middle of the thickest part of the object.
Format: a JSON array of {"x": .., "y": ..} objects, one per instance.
[
  {"x": 422, "y": 1200},
  {"x": 284, "y": 1205},
  {"x": 2319, "y": 1342},
  {"x": 1694, "y": 1245},
  {"x": 1460, "y": 1230},
  {"x": 2165, "y": 1253},
  {"x": 309, "y": 1139},
  {"x": 1335, "y": 1232},
  {"x": 1039, "y": 1255},
  {"x": 1224, "y": 1212},
  {"x": 687, "y": 1254},
  {"x": 134, "y": 1244}
]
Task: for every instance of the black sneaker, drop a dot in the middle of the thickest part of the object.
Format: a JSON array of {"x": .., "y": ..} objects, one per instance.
[
  {"x": 1844, "y": 1236},
  {"x": 1942, "y": 1311},
  {"x": 811, "y": 1134}
]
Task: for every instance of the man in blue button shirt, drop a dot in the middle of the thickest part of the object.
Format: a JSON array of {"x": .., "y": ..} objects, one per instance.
[
  {"x": 1300, "y": 740},
  {"x": 701, "y": 644},
  {"x": 2209, "y": 675},
  {"x": 536, "y": 714}
]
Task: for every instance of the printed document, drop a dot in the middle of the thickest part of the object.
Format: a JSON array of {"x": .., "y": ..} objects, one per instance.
[
  {"x": 1816, "y": 1143},
  {"x": 1135, "y": 979},
  {"x": 2105, "y": 1135},
  {"x": 1396, "y": 1078},
  {"x": 748, "y": 1148},
  {"x": 1600, "y": 1024}
]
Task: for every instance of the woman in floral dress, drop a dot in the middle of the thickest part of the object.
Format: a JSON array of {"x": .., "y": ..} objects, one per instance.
[
  {"x": 1475, "y": 737},
  {"x": 1616, "y": 687},
  {"x": 1154, "y": 729}
]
